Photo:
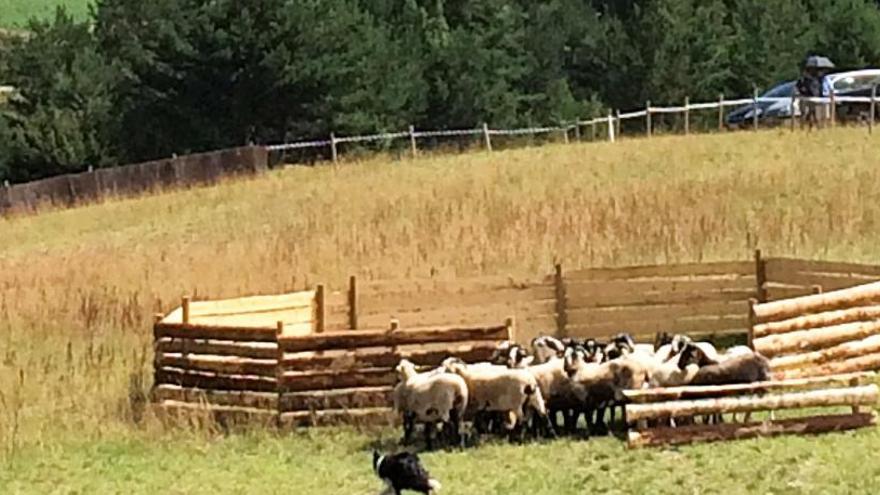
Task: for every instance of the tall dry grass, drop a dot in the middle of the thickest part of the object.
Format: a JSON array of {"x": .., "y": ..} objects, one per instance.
[{"x": 78, "y": 287}]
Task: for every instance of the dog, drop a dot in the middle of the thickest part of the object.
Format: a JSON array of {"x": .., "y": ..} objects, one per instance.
[{"x": 403, "y": 471}]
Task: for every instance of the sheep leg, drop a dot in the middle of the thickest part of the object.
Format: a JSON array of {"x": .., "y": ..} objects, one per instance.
[
  {"x": 408, "y": 427},
  {"x": 429, "y": 435}
]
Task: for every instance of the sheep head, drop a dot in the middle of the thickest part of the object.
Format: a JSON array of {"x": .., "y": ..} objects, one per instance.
[
  {"x": 405, "y": 370},
  {"x": 545, "y": 348},
  {"x": 691, "y": 354}
]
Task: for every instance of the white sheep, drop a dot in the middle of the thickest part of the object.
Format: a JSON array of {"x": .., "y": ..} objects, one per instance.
[
  {"x": 499, "y": 389},
  {"x": 430, "y": 398}
]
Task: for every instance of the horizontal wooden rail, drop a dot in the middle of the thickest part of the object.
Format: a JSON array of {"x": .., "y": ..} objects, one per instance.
[
  {"x": 219, "y": 364},
  {"x": 368, "y": 416},
  {"x": 866, "y": 395},
  {"x": 373, "y": 338},
  {"x": 186, "y": 378},
  {"x": 839, "y": 299},
  {"x": 860, "y": 363},
  {"x": 254, "y": 350},
  {"x": 205, "y": 332},
  {"x": 256, "y": 400},
  {"x": 828, "y": 318},
  {"x": 734, "y": 431},
  {"x": 356, "y": 398},
  {"x": 328, "y": 380},
  {"x": 815, "y": 338},
  {"x": 845, "y": 351},
  {"x": 704, "y": 391},
  {"x": 386, "y": 357}
]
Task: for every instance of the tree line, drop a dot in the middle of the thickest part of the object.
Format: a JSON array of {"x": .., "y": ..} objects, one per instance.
[{"x": 144, "y": 80}]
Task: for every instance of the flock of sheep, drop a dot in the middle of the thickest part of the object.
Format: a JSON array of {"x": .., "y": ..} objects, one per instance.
[{"x": 526, "y": 391}]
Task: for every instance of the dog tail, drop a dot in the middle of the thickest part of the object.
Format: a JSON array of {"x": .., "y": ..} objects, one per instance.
[{"x": 434, "y": 485}]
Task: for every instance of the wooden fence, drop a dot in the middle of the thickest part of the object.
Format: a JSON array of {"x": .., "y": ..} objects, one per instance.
[
  {"x": 72, "y": 189},
  {"x": 820, "y": 334},
  {"x": 268, "y": 358}
]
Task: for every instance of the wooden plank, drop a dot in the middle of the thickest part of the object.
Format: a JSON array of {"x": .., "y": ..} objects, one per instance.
[
  {"x": 229, "y": 365},
  {"x": 626, "y": 298},
  {"x": 777, "y": 292},
  {"x": 245, "y": 305},
  {"x": 295, "y": 316},
  {"x": 818, "y": 320},
  {"x": 203, "y": 380},
  {"x": 657, "y": 271},
  {"x": 866, "y": 362},
  {"x": 816, "y": 303},
  {"x": 327, "y": 380},
  {"x": 379, "y": 357},
  {"x": 827, "y": 281},
  {"x": 223, "y": 414},
  {"x": 847, "y": 350},
  {"x": 255, "y": 350},
  {"x": 181, "y": 331},
  {"x": 796, "y": 265},
  {"x": 473, "y": 315},
  {"x": 597, "y": 294},
  {"x": 648, "y": 328},
  {"x": 256, "y": 400},
  {"x": 594, "y": 316},
  {"x": 815, "y": 338},
  {"x": 353, "y": 398},
  {"x": 380, "y": 303},
  {"x": 865, "y": 395},
  {"x": 374, "y": 338},
  {"x": 689, "y": 392},
  {"x": 378, "y": 416},
  {"x": 737, "y": 431},
  {"x": 447, "y": 286}
]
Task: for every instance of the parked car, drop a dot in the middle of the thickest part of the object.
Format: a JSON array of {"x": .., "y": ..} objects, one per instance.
[
  {"x": 854, "y": 83},
  {"x": 777, "y": 109},
  {"x": 847, "y": 83}
]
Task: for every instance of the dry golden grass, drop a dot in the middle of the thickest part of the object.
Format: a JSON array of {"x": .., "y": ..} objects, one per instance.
[{"x": 78, "y": 288}]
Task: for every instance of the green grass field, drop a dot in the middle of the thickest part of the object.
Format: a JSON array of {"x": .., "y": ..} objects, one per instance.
[
  {"x": 78, "y": 289},
  {"x": 16, "y": 13}
]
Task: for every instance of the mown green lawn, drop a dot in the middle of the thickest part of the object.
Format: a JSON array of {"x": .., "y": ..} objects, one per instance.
[
  {"x": 337, "y": 461},
  {"x": 16, "y": 13}
]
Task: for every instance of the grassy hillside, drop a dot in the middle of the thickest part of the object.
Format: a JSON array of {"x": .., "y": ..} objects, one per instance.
[
  {"x": 78, "y": 289},
  {"x": 16, "y": 13}
]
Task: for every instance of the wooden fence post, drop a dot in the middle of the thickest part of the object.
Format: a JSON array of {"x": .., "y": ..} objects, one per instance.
[
  {"x": 486, "y": 137},
  {"x": 610, "y": 127},
  {"x": 333, "y": 151},
  {"x": 592, "y": 129},
  {"x": 412, "y": 141},
  {"x": 577, "y": 129},
  {"x": 319, "y": 309},
  {"x": 564, "y": 134},
  {"x": 352, "y": 303},
  {"x": 832, "y": 113},
  {"x": 184, "y": 305},
  {"x": 721, "y": 112},
  {"x": 619, "y": 122},
  {"x": 873, "y": 110},
  {"x": 687, "y": 115},
  {"x": 752, "y": 322},
  {"x": 793, "y": 106},
  {"x": 279, "y": 369},
  {"x": 510, "y": 323},
  {"x": 561, "y": 316},
  {"x": 755, "y": 110},
  {"x": 648, "y": 125},
  {"x": 760, "y": 277}
]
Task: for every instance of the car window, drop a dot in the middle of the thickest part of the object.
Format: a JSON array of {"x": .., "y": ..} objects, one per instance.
[
  {"x": 782, "y": 90},
  {"x": 851, "y": 83}
]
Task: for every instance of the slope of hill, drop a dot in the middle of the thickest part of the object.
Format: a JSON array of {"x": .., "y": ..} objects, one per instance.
[{"x": 78, "y": 289}]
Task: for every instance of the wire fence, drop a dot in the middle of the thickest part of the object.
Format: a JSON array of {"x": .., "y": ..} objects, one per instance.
[{"x": 610, "y": 125}]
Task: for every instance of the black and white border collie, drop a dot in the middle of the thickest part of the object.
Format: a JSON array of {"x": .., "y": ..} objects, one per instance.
[{"x": 403, "y": 471}]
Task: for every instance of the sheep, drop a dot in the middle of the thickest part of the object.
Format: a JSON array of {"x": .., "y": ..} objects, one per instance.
[
  {"x": 430, "y": 398},
  {"x": 555, "y": 387},
  {"x": 545, "y": 348},
  {"x": 597, "y": 385},
  {"x": 744, "y": 368},
  {"x": 499, "y": 389}
]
